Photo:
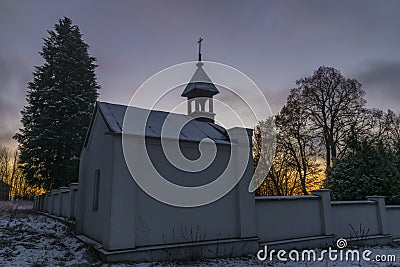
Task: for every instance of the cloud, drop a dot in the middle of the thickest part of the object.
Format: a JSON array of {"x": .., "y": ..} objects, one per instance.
[
  {"x": 383, "y": 74},
  {"x": 275, "y": 42},
  {"x": 14, "y": 75},
  {"x": 381, "y": 80},
  {"x": 6, "y": 138}
]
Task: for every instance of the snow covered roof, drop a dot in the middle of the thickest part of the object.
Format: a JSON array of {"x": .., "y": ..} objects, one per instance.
[
  {"x": 193, "y": 130},
  {"x": 200, "y": 84}
]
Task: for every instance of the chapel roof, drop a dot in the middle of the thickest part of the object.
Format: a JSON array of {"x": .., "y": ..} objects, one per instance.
[{"x": 193, "y": 130}]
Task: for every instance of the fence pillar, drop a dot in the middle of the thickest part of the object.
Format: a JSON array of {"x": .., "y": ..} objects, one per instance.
[
  {"x": 35, "y": 203},
  {"x": 325, "y": 210},
  {"x": 38, "y": 203},
  {"x": 38, "y": 200},
  {"x": 42, "y": 205},
  {"x": 380, "y": 212},
  {"x": 52, "y": 197},
  {"x": 62, "y": 189},
  {"x": 55, "y": 198},
  {"x": 246, "y": 207},
  {"x": 73, "y": 194},
  {"x": 48, "y": 199}
]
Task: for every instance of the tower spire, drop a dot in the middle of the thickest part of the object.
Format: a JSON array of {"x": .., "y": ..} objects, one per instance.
[
  {"x": 199, "y": 43},
  {"x": 199, "y": 93}
]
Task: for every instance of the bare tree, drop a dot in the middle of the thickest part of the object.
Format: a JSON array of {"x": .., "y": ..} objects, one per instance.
[
  {"x": 4, "y": 164},
  {"x": 333, "y": 104},
  {"x": 12, "y": 175},
  {"x": 377, "y": 126},
  {"x": 392, "y": 128},
  {"x": 319, "y": 117},
  {"x": 294, "y": 168},
  {"x": 295, "y": 139}
]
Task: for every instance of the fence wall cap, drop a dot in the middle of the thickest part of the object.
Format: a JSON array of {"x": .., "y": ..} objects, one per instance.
[
  {"x": 393, "y": 207},
  {"x": 321, "y": 190},
  {"x": 354, "y": 202},
  {"x": 274, "y": 198}
]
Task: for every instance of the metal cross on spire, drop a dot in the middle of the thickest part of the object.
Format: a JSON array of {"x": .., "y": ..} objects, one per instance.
[{"x": 199, "y": 42}]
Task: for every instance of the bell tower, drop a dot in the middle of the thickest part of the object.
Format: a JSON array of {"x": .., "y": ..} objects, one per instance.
[{"x": 199, "y": 92}]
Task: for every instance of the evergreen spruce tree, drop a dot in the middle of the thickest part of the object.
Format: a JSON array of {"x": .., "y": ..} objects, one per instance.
[
  {"x": 370, "y": 169},
  {"x": 61, "y": 100}
]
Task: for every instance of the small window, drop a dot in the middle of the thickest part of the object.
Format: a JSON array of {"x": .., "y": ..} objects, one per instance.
[
  {"x": 207, "y": 105},
  {"x": 96, "y": 190},
  {"x": 192, "y": 105}
]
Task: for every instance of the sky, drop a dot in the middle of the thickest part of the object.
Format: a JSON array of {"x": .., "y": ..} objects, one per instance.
[{"x": 273, "y": 42}]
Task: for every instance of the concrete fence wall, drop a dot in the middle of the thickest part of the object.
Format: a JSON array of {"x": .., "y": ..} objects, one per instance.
[
  {"x": 316, "y": 217},
  {"x": 62, "y": 202},
  {"x": 393, "y": 220},
  {"x": 355, "y": 219},
  {"x": 284, "y": 214},
  {"x": 284, "y": 219}
]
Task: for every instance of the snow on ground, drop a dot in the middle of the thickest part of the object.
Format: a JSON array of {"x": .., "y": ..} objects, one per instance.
[
  {"x": 31, "y": 239},
  {"x": 17, "y": 204}
]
